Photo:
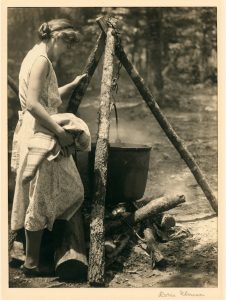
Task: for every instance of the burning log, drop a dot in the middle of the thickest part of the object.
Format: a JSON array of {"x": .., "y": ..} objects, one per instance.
[
  {"x": 162, "y": 224},
  {"x": 153, "y": 250},
  {"x": 150, "y": 210},
  {"x": 109, "y": 246},
  {"x": 165, "y": 221},
  {"x": 149, "y": 213},
  {"x": 112, "y": 256}
]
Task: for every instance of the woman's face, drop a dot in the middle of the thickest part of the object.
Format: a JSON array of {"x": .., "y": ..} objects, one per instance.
[{"x": 60, "y": 47}]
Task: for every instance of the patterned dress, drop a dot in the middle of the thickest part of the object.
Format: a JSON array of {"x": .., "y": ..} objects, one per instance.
[{"x": 56, "y": 192}]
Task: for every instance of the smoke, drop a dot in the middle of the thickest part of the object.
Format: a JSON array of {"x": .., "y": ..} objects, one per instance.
[{"x": 129, "y": 132}]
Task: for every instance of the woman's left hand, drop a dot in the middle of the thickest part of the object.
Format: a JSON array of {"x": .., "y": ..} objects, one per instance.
[
  {"x": 68, "y": 150},
  {"x": 78, "y": 79}
]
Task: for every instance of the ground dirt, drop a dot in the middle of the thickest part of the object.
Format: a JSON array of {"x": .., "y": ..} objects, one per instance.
[{"x": 192, "y": 258}]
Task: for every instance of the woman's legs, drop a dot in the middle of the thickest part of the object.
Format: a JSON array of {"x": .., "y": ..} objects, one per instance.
[{"x": 33, "y": 243}]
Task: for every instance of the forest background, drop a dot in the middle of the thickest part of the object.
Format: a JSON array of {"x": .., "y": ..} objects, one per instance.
[{"x": 172, "y": 47}]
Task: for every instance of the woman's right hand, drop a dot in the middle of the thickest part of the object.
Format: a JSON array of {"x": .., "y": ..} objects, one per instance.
[{"x": 65, "y": 138}]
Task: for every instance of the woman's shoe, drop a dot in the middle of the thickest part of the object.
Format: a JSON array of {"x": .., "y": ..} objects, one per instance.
[
  {"x": 36, "y": 272},
  {"x": 30, "y": 272}
]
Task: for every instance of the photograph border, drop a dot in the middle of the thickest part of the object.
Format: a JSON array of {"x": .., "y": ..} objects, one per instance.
[{"x": 115, "y": 293}]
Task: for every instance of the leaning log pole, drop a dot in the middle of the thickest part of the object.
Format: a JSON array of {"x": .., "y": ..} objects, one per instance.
[
  {"x": 89, "y": 69},
  {"x": 96, "y": 252}
]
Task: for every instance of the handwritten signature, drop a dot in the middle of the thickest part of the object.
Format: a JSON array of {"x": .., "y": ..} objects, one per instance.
[{"x": 181, "y": 293}]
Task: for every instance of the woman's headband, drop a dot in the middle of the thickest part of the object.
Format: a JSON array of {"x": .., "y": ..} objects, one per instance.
[{"x": 61, "y": 28}]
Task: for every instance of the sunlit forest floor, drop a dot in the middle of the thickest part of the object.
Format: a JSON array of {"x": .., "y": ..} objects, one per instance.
[{"x": 192, "y": 258}]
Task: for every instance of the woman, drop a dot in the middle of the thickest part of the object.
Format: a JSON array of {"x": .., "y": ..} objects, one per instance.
[{"x": 56, "y": 192}]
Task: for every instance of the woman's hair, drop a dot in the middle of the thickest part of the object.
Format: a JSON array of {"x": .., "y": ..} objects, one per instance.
[{"x": 58, "y": 28}]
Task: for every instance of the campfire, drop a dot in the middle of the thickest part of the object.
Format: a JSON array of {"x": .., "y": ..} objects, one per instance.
[{"x": 145, "y": 221}]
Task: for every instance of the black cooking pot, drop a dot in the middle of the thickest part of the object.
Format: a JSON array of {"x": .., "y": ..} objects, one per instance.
[{"x": 128, "y": 166}]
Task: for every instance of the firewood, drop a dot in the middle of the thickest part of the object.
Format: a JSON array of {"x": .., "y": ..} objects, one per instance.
[
  {"x": 109, "y": 246},
  {"x": 167, "y": 222},
  {"x": 161, "y": 234},
  {"x": 153, "y": 250},
  {"x": 150, "y": 210},
  {"x": 156, "y": 206},
  {"x": 149, "y": 234},
  {"x": 164, "y": 221},
  {"x": 161, "y": 222},
  {"x": 113, "y": 255}
]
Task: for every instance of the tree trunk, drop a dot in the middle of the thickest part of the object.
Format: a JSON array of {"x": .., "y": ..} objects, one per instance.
[
  {"x": 166, "y": 126},
  {"x": 154, "y": 16},
  {"x": 90, "y": 68},
  {"x": 96, "y": 253},
  {"x": 13, "y": 85},
  {"x": 206, "y": 25},
  {"x": 148, "y": 65}
]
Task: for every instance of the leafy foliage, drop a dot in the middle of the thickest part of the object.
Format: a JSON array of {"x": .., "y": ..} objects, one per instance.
[{"x": 165, "y": 43}]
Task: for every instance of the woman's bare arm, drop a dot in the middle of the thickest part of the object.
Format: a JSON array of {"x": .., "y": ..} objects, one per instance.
[
  {"x": 38, "y": 76},
  {"x": 66, "y": 90}
]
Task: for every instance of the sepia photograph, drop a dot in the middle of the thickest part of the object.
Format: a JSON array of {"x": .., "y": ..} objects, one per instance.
[{"x": 113, "y": 141}]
